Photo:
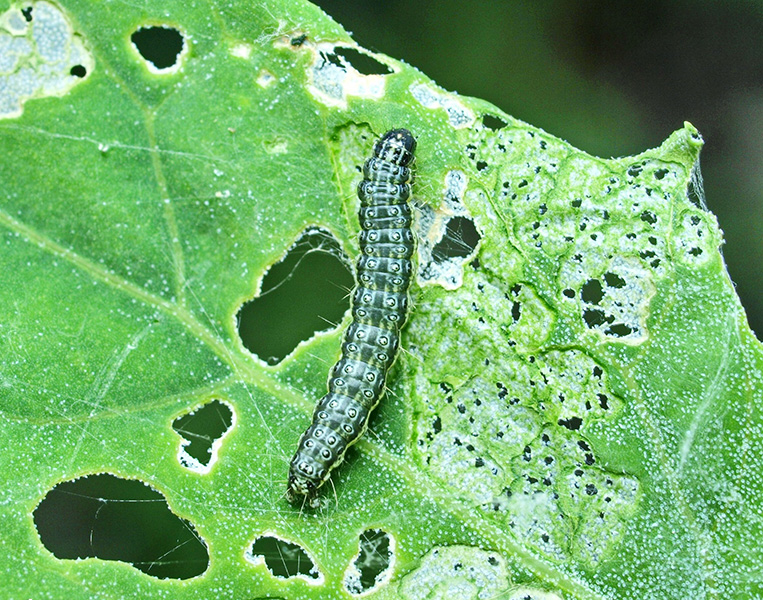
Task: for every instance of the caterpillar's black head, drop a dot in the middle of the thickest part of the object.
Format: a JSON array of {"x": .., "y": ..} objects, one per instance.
[
  {"x": 299, "y": 486},
  {"x": 305, "y": 475},
  {"x": 396, "y": 146}
]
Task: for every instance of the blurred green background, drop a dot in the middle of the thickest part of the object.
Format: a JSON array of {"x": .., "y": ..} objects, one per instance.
[{"x": 612, "y": 78}]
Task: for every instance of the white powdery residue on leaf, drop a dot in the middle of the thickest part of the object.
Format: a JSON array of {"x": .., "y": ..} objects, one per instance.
[
  {"x": 459, "y": 115},
  {"x": 463, "y": 317},
  {"x": 50, "y": 32},
  {"x": 563, "y": 503},
  {"x": 696, "y": 238},
  {"x": 12, "y": 50},
  {"x": 526, "y": 593},
  {"x": 14, "y": 22},
  {"x": 500, "y": 318},
  {"x": 614, "y": 500},
  {"x": 455, "y": 186},
  {"x": 242, "y": 50},
  {"x": 584, "y": 172},
  {"x": 613, "y": 295},
  {"x": 432, "y": 227},
  {"x": 501, "y": 425},
  {"x": 459, "y": 572},
  {"x": 573, "y": 386},
  {"x": 333, "y": 80},
  {"x": 464, "y": 463},
  {"x": 40, "y": 58},
  {"x": 607, "y": 225},
  {"x": 536, "y": 518}
]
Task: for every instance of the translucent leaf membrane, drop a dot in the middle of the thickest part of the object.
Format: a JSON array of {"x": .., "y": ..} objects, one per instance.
[{"x": 574, "y": 411}]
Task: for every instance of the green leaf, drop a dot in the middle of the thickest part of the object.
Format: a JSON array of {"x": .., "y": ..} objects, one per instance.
[{"x": 574, "y": 410}]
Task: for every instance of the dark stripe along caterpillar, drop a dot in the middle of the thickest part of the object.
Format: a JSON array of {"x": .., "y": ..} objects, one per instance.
[{"x": 379, "y": 310}]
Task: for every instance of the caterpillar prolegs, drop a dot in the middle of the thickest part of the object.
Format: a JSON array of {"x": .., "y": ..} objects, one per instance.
[{"x": 379, "y": 310}]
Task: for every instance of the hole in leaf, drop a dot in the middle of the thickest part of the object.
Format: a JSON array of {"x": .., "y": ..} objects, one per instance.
[
  {"x": 283, "y": 559},
  {"x": 592, "y": 292},
  {"x": 160, "y": 46},
  {"x": 362, "y": 63},
  {"x": 437, "y": 425},
  {"x": 27, "y": 12},
  {"x": 493, "y": 122},
  {"x": 649, "y": 217},
  {"x": 516, "y": 311},
  {"x": 373, "y": 563},
  {"x": 460, "y": 239},
  {"x": 106, "y": 517},
  {"x": 572, "y": 423},
  {"x": 200, "y": 430},
  {"x": 78, "y": 71},
  {"x": 594, "y": 317},
  {"x": 330, "y": 57},
  {"x": 301, "y": 295},
  {"x": 619, "y": 330},
  {"x": 614, "y": 280},
  {"x": 298, "y": 40}
]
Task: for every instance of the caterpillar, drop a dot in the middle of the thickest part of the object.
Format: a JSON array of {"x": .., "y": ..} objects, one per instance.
[{"x": 379, "y": 310}]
